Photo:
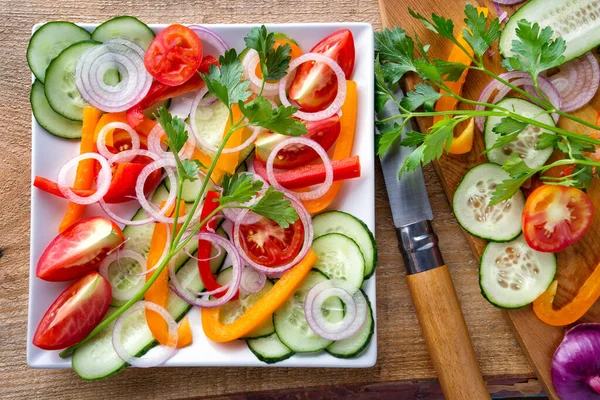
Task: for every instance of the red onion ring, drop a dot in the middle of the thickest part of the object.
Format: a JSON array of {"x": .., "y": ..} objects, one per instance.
[
  {"x": 508, "y": 2},
  {"x": 306, "y": 220},
  {"x": 153, "y": 358},
  {"x": 123, "y": 295},
  {"x": 190, "y": 255},
  {"x": 340, "y": 97},
  {"x": 355, "y": 315},
  {"x": 322, "y": 188},
  {"x": 102, "y": 186},
  {"x": 545, "y": 86},
  {"x": 234, "y": 284},
  {"x": 250, "y": 62},
  {"x": 101, "y": 140},
  {"x": 123, "y": 55},
  {"x": 169, "y": 164},
  {"x": 130, "y": 154},
  {"x": 253, "y": 281},
  {"x": 155, "y": 143},
  {"x": 211, "y": 38},
  {"x": 232, "y": 214},
  {"x": 577, "y": 82},
  {"x": 502, "y": 15}
]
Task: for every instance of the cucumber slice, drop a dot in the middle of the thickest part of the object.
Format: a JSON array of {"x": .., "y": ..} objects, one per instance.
[
  {"x": 356, "y": 344},
  {"x": 290, "y": 323},
  {"x": 97, "y": 359},
  {"x": 576, "y": 22},
  {"x": 191, "y": 190},
  {"x": 499, "y": 223},
  {"x": 48, "y": 118},
  {"x": 61, "y": 92},
  {"x": 354, "y": 228},
  {"x": 524, "y": 144},
  {"x": 210, "y": 123},
  {"x": 234, "y": 309},
  {"x": 269, "y": 349},
  {"x": 125, "y": 27},
  {"x": 512, "y": 275},
  {"x": 49, "y": 41},
  {"x": 339, "y": 257}
]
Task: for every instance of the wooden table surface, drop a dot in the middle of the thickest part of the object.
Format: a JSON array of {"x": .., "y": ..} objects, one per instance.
[{"x": 402, "y": 355}]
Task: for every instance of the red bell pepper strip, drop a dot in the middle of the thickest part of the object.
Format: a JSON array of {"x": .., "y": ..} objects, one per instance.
[
  {"x": 312, "y": 174},
  {"x": 205, "y": 247},
  {"x": 159, "y": 92}
]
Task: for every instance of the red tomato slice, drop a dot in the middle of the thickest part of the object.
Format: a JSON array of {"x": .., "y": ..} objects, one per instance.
[
  {"x": 555, "y": 217},
  {"x": 325, "y": 132},
  {"x": 174, "y": 55},
  {"x": 79, "y": 249},
  {"x": 315, "y": 85},
  {"x": 75, "y": 313},
  {"x": 268, "y": 244}
]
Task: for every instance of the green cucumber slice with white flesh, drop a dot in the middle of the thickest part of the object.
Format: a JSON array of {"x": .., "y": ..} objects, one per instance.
[
  {"x": 512, "y": 275},
  {"x": 354, "y": 228},
  {"x": 576, "y": 22},
  {"x": 48, "y": 118},
  {"x": 269, "y": 349},
  {"x": 291, "y": 325},
  {"x": 210, "y": 123},
  {"x": 125, "y": 27},
  {"x": 191, "y": 190},
  {"x": 357, "y": 343},
  {"x": 49, "y": 41},
  {"x": 499, "y": 223},
  {"x": 59, "y": 84},
  {"x": 234, "y": 309},
  {"x": 97, "y": 359},
  {"x": 339, "y": 257},
  {"x": 524, "y": 145}
]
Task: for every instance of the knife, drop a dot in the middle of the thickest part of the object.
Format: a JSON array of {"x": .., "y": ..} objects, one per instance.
[{"x": 429, "y": 282}]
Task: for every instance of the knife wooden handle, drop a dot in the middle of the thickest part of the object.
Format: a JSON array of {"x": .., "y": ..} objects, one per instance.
[{"x": 446, "y": 335}]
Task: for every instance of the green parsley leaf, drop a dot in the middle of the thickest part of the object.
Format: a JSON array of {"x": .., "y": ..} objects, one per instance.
[
  {"x": 547, "y": 140},
  {"x": 273, "y": 62},
  {"x": 174, "y": 129},
  {"x": 260, "y": 40},
  {"x": 413, "y": 161},
  {"x": 438, "y": 24},
  {"x": 516, "y": 167},
  {"x": 508, "y": 130},
  {"x": 392, "y": 72},
  {"x": 239, "y": 188},
  {"x": 382, "y": 91},
  {"x": 427, "y": 71},
  {"x": 507, "y": 189},
  {"x": 272, "y": 205},
  {"x": 386, "y": 138},
  {"x": 189, "y": 169},
  {"x": 451, "y": 71},
  {"x": 260, "y": 113},
  {"x": 579, "y": 146},
  {"x": 439, "y": 137},
  {"x": 278, "y": 61},
  {"x": 413, "y": 139},
  {"x": 478, "y": 34},
  {"x": 225, "y": 82},
  {"x": 582, "y": 176},
  {"x": 535, "y": 50},
  {"x": 423, "y": 95},
  {"x": 395, "y": 46}
]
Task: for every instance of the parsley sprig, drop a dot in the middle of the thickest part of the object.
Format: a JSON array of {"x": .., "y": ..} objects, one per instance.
[{"x": 534, "y": 51}]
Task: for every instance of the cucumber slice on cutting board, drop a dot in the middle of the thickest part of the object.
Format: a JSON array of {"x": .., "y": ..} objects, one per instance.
[
  {"x": 269, "y": 349},
  {"x": 524, "y": 145},
  {"x": 352, "y": 227},
  {"x": 499, "y": 223},
  {"x": 234, "y": 309},
  {"x": 577, "y": 22},
  {"x": 48, "y": 119},
  {"x": 49, "y": 41},
  {"x": 339, "y": 257},
  {"x": 512, "y": 275},
  {"x": 125, "y": 27}
]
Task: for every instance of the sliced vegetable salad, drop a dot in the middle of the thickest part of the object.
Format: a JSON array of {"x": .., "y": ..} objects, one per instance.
[
  {"x": 233, "y": 160},
  {"x": 529, "y": 200}
]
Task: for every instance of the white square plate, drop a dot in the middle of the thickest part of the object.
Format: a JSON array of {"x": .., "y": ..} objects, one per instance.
[{"x": 49, "y": 153}]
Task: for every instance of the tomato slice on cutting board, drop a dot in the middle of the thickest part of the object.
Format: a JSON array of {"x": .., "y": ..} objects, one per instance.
[
  {"x": 268, "y": 244},
  {"x": 79, "y": 249},
  {"x": 174, "y": 55},
  {"x": 75, "y": 313},
  {"x": 555, "y": 217}
]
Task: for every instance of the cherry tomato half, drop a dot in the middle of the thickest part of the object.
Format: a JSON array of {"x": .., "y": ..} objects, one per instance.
[
  {"x": 555, "y": 217},
  {"x": 174, "y": 55},
  {"x": 268, "y": 244},
  {"x": 75, "y": 313},
  {"x": 325, "y": 132},
  {"x": 79, "y": 249},
  {"x": 315, "y": 85}
]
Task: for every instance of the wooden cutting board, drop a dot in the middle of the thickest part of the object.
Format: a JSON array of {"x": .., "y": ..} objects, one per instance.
[{"x": 538, "y": 340}]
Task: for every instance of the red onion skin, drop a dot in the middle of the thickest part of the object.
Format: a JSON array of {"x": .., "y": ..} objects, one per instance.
[{"x": 576, "y": 364}]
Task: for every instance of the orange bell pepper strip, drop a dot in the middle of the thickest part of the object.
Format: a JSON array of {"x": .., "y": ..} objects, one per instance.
[
  {"x": 217, "y": 174},
  {"x": 462, "y": 143},
  {"x": 84, "y": 177},
  {"x": 217, "y": 331},
  {"x": 586, "y": 297},
  {"x": 159, "y": 291},
  {"x": 229, "y": 162},
  {"x": 143, "y": 129},
  {"x": 343, "y": 147}
]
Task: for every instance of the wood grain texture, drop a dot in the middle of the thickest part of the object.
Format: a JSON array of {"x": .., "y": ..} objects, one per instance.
[
  {"x": 402, "y": 352},
  {"x": 576, "y": 263}
]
